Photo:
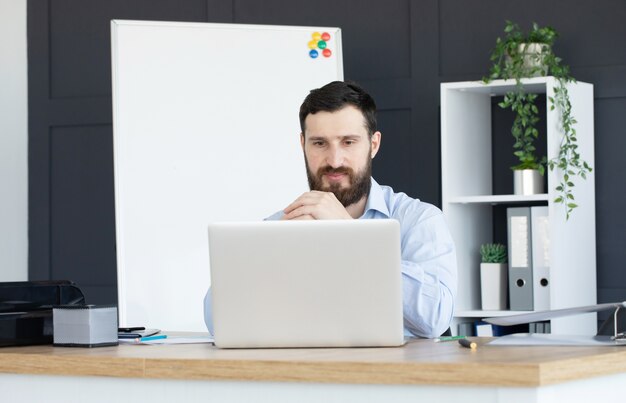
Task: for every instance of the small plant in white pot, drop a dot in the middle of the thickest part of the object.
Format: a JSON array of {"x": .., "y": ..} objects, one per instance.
[{"x": 493, "y": 277}]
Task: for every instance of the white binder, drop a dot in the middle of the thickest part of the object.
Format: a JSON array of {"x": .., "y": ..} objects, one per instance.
[{"x": 540, "y": 233}]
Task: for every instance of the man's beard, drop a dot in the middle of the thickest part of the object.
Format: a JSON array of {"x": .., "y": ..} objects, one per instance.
[{"x": 359, "y": 182}]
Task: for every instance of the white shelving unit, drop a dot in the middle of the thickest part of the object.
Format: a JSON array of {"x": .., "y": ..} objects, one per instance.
[{"x": 468, "y": 199}]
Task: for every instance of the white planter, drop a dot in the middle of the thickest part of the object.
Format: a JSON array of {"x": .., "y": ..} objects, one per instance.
[
  {"x": 527, "y": 182},
  {"x": 533, "y": 58},
  {"x": 534, "y": 55},
  {"x": 494, "y": 286}
]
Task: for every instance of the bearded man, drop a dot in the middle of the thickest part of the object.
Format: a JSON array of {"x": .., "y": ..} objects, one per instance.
[{"x": 339, "y": 139}]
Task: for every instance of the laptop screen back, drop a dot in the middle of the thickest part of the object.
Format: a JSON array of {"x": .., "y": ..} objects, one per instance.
[{"x": 306, "y": 283}]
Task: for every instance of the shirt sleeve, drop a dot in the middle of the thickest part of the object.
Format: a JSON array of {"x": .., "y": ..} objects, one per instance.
[
  {"x": 208, "y": 312},
  {"x": 429, "y": 272}
]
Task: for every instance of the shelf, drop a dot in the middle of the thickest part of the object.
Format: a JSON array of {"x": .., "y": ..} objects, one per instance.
[
  {"x": 500, "y": 87},
  {"x": 486, "y": 314},
  {"x": 468, "y": 199},
  {"x": 498, "y": 199}
]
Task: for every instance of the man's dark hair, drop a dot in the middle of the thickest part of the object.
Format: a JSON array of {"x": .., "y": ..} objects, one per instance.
[{"x": 336, "y": 95}]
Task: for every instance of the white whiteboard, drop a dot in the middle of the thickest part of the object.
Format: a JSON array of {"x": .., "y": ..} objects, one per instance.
[{"x": 205, "y": 122}]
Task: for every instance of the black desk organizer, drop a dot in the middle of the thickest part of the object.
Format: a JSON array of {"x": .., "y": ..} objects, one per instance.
[{"x": 26, "y": 309}]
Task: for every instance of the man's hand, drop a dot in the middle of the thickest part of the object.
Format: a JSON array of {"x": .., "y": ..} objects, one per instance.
[{"x": 317, "y": 206}]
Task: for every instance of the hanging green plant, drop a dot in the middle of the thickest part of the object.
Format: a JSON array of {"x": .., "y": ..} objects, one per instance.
[{"x": 518, "y": 56}]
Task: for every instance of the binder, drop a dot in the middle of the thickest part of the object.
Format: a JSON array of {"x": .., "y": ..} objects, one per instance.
[
  {"x": 540, "y": 327},
  {"x": 466, "y": 329},
  {"x": 540, "y": 235},
  {"x": 520, "y": 258},
  {"x": 483, "y": 329}
]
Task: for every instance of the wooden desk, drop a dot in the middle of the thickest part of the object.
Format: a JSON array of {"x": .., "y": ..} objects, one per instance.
[{"x": 421, "y": 369}]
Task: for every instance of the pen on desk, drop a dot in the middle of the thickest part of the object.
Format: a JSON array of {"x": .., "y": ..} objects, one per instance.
[
  {"x": 448, "y": 338},
  {"x": 468, "y": 344},
  {"x": 148, "y": 338}
]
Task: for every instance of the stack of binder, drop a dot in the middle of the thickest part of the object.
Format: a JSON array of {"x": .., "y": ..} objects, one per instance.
[
  {"x": 539, "y": 327},
  {"x": 529, "y": 258}
]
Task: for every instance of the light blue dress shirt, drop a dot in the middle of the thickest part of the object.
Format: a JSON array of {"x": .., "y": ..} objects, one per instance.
[{"x": 429, "y": 271}]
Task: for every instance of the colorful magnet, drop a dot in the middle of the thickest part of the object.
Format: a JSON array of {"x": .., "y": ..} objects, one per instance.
[
  {"x": 313, "y": 53},
  {"x": 316, "y": 36},
  {"x": 321, "y": 44},
  {"x": 327, "y": 53},
  {"x": 326, "y": 36},
  {"x": 312, "y": 44}
]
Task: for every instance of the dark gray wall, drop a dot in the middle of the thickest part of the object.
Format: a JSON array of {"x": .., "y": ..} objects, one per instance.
[{"x": 400, "y": 50}]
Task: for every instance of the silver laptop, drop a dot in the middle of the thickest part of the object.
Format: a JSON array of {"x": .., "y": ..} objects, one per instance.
[{"x": 306, "y": 283}]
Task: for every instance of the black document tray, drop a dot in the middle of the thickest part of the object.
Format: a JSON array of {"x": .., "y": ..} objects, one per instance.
[{"x": 26, "y": 309}]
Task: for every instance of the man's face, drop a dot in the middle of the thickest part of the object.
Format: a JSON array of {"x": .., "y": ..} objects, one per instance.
[{"x": 338, "y": 153}]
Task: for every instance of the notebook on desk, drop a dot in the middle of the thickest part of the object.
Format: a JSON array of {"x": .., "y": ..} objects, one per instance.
[{"x": 306, "y": 284}]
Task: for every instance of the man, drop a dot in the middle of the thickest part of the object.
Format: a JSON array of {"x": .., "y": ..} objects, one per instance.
[{"x": 339, "y": 138}]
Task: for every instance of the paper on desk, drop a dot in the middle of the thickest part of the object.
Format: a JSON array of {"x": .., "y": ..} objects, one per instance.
[
  {"x": 173, "y": 340},
  {"x": 542, "y": 339},
  {"x": 550, "y": 314}
]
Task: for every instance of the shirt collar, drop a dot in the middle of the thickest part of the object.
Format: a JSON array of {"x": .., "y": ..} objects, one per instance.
[{"x": 376, "y": 200}]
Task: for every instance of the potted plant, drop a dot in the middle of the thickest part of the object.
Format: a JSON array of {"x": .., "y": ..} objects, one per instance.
[
  {"x": 519, "y": 55},
  {"x": 493, "y": 277}
]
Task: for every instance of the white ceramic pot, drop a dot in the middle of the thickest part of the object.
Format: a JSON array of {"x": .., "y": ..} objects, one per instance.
[
  {"x": 494, "y": 286},
  {"x": 527, "y": 182},
  {"x": 534, "y": 55},
  {"x": 533, "y": 58}
]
